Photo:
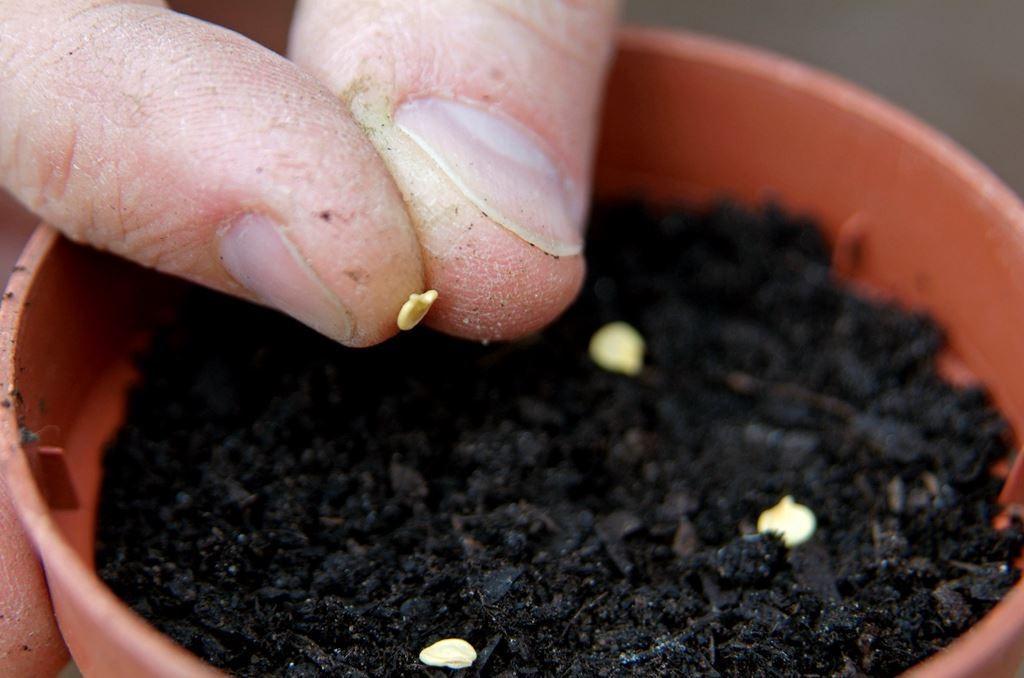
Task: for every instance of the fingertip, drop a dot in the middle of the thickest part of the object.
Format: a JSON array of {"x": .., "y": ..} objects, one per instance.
[
  {"x": 370, "y": 265},
  {"x": 495, "y": 286},
  {"x": 486, "y": 118},
  {"x": 347, "y": 287}
]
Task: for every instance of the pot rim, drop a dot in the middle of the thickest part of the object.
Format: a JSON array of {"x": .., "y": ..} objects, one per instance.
[
  {"x": 996, "y": 634},
  {"x": 61, "y": 561},
  {"x": 841, "y": 94}
]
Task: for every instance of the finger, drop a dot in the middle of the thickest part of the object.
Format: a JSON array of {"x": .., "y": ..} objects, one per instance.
[
  {"x": 485, "y": 112},
  {"x": 191, "y": 149}
]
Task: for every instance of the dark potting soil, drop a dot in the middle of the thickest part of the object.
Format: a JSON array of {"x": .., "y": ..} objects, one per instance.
[{"x": 281, "y": 505}]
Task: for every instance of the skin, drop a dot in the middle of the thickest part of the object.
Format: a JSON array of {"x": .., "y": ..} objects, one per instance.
[
  {"x": 160, "y": 128},
  {"x": 145, "y": 132}
]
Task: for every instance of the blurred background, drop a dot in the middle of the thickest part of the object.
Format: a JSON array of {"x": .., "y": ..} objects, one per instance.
[{"x": 957, "y": 64}]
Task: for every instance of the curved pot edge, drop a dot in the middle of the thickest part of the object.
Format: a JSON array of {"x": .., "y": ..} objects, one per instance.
[
  {"x": 996, "y": 640},
  {"x": 63, "y": 568}
]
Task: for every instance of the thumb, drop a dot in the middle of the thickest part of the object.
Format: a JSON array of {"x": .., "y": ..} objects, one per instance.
[
  {"x": 188, "y": 148},
  {"x": 485, "y": 112}
]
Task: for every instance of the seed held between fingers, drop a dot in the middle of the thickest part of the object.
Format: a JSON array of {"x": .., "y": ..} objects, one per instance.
[
  {"x": 794, "y": 522},
  {"x": 618, "y": 347},
  {"x": 450, "y": 653},
  {"x": 415, "y": 309}
]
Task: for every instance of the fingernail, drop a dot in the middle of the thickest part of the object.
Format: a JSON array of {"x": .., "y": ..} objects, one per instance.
[
  {"x": 501, "y": 168},
  {"x": 257, "y": 254}
]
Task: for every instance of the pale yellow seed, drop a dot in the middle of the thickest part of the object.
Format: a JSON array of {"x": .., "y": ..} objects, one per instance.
[
  {"x": 450, "y": 653},
  {"x": 794, "y": 522},
  {"x": 415, "y": 309},
  {"x": 618, "y": 347}
]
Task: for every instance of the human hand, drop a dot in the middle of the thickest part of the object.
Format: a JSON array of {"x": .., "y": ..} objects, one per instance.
[{"x": 406, "y": 146}]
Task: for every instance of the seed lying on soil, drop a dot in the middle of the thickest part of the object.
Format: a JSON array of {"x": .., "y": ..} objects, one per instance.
[
  {"x": 414, "y": 310},
  {"x": 618, "y": 347},
  {"x": 794, "y": 522},
  {"x": 450, "y": 653}
]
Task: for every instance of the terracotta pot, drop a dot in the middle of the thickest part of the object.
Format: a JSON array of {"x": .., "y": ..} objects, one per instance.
[{"x": 688, "y": 118}]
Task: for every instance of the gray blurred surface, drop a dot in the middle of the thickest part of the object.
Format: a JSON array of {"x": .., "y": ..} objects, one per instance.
[{"x": 957, "y": 64}]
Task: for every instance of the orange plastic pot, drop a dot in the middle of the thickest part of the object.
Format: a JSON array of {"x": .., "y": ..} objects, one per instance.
[{"x": 910, "y": 216}]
